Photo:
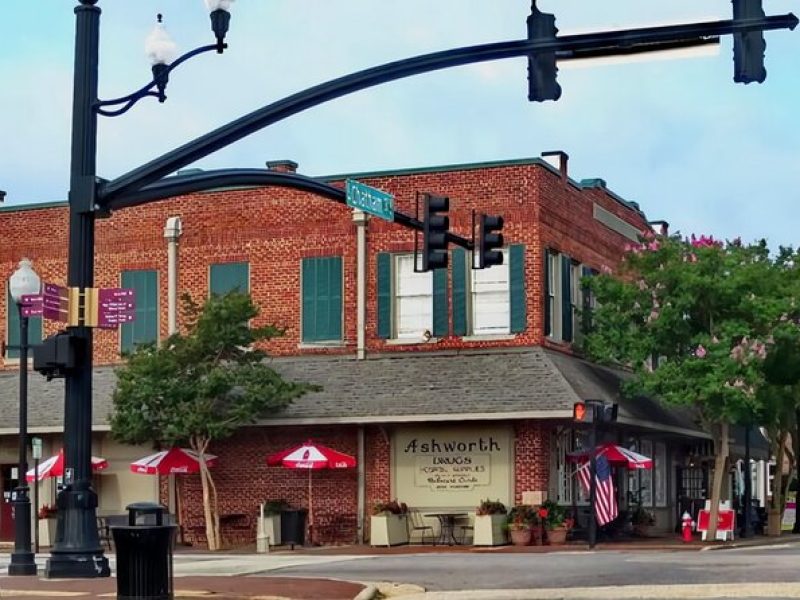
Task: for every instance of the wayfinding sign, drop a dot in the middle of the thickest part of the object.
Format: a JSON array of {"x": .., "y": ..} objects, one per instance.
[
  {"x": 369, "y": 199},
  {"x": 115, "y": 307}
]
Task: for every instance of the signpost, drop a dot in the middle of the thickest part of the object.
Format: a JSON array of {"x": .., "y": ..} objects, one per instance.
[
  {"x": 32, "y": 305},
  {"x": 369, "y": 199}
]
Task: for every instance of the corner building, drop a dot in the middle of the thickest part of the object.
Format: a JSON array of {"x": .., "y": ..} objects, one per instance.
[{"x": 456, "y": 367}]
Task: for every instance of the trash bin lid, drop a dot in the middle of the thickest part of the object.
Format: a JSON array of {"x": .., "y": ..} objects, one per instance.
[{"x": 147, "y": 508}]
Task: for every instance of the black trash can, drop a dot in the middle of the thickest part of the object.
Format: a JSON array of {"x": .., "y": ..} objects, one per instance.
[
  {"x": 293, "y": 526},
  {"x": 144, "y": 554}
]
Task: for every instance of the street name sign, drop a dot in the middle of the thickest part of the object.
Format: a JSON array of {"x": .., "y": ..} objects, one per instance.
[
  {"x": 55, "y": 302},
  {"x": 369, "y": 199},
  {"x": 115, "y": 307},
  {"x": 32, "y": 305}
]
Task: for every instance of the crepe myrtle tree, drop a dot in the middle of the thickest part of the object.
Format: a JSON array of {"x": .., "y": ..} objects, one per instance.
[
  {"x": 200, "y": 386},
  {"x": 693, "y": 319}
]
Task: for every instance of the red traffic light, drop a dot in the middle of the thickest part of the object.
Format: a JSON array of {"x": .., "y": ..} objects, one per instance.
[{"x": 581, "y": 413}]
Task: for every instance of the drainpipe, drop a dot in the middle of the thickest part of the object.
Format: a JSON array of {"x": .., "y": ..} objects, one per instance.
[
  {"x": 172, "y": 232},
  {"x": 360, "y": 219},
  {"x": 362, "y": 484}
]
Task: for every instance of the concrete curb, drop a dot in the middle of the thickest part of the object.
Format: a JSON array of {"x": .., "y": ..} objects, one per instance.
[
  {"x": 627, "y": 592},
  {"x": 368, "y": 593}
]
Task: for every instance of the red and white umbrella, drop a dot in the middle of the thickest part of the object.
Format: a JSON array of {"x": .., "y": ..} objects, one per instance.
[
  {"x": 312, "y": 457},
  {"x": 171, "y": 462},
  {"x": 54, "y": 467},
  {"x": 617, "y": 456}
]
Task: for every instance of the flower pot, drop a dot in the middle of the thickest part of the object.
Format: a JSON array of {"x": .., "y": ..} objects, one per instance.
[
  {"x": 557, "y": 536},
  {"x": 489, "y": 530},
  {"x": 521, "y": 537},
  {"x": 388, "y": 530}
]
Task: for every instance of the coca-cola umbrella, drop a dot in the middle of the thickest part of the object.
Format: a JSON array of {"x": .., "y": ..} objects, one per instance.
[
  {"x": 312, "y": 457},
  {"x": 171, "y": 462},
  {"x": 54, "y": 467},
  {"x": 616, "y": 456}
]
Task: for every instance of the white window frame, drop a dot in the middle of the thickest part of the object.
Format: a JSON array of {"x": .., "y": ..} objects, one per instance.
[
  {"x": 474, "y": 294},
  {"x": 554, "y": 297},
  {"x": 403, "y": 274},
  {"x": 568, "y": 488}
]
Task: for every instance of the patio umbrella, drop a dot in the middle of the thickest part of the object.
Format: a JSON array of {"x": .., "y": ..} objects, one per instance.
[
  {"x": 54, "y": 467},
  {"x": 170, "y": 462},
  {"x": 616, "y": 456},
  {"x": 311, "y": 456}
]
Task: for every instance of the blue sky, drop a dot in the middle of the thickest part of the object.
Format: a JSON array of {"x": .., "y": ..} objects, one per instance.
[{"x": 677, "y": 136}]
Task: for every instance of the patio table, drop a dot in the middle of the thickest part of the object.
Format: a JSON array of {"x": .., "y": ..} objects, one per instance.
[{"x": 447, "y": 525}]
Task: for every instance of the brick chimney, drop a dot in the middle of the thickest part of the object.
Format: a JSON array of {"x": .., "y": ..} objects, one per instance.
[{"x": 282, "y": 166}]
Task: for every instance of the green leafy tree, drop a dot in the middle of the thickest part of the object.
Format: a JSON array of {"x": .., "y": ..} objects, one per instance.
[
  {"x": 201, "y": 386},
  {"x": 691, "y": 318}
]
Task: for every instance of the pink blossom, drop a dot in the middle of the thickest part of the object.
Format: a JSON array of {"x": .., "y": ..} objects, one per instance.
[
  {"x": 653, "y": 246},
  {"x": 652, "y": 316},
  {"x": 693, "y": 258},
  {"x": 700, "y": 351}
]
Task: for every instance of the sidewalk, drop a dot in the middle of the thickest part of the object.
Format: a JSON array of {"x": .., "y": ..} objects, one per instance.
[{"x": 227, "y": 587}]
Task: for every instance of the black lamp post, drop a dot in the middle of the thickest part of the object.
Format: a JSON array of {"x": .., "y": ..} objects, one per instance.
[
  {"x": 77, "y": 551},
  {"x": 24, "y": 281}
]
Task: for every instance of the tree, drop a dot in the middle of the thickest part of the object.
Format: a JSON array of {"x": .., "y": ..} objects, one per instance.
[
  {"x": 691, "y": 317},
  {"x": 201, "y": 386}
]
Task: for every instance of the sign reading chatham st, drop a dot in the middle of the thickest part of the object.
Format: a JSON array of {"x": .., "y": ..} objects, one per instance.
[{"x": 452, "y": 464}]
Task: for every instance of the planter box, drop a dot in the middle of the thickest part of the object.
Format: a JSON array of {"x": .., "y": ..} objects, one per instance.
[
  {"x": 269, "y": 532},
  {"x": 489, "y": 530},
  {"x": 47, "y": 531},
  {"x": 388, "y": 530}
]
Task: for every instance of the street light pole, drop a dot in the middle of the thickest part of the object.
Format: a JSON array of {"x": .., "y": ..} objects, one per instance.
[
  {"x": 77, "y": 551},
  {"x": 23, "y": 281}
]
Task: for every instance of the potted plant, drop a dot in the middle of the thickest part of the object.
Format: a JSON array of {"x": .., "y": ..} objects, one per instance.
[
  {"x": 388, "y": 525},
  {"x": 49, "y": 514},
  {"x": 642, "y": 520},
  {"x": 269, "y": 524},
  {"x": 520, "y": 523},
  {"x": 490, "y": 517},
  {"x": 555, "y": 521}
]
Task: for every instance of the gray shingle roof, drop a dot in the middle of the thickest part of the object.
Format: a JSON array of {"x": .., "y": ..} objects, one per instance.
[{"x": 489, "y": 384}]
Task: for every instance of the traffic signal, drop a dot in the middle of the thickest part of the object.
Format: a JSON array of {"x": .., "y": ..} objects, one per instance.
[
  {"x": 489, "y": 242},
  {"x": 582, "y": 413},
  {"x": 434, "y": 232},
  {"x": 748, "y": 47},
  {"x": 542, "y": 70}
]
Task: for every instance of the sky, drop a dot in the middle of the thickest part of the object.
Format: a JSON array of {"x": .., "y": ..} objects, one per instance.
[{"x": 677, "y": 136}]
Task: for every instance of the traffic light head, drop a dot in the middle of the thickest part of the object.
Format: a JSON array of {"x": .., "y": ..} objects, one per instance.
[
  {"x": 490, "y": 241},
  {"x": 749, "y": 46},
  {"x": 582, "y": 413},
  {"x": 435, "y": 227},
  {"x": 542, "y": 70}
]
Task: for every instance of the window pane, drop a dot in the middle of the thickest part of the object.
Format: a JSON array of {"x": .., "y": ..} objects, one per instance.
[
  {"x": 646, "y": 481},
  {"x": 227, "y": 277},
  {"x": 144, "y": 328},
  {"x": 491, "y": 299},
  {"x": 661, "y": 467},
  {"x": 413, "y": 300}
]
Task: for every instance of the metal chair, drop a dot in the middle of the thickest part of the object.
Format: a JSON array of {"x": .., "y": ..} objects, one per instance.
[
  {"x": 464, "y": 528},
  {"x": 416, "y": 523}
]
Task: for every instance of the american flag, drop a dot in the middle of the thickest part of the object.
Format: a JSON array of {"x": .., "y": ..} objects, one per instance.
[{"x": 605, "y": 504}]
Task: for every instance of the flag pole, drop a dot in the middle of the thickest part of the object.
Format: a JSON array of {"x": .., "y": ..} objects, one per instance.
[{"x": 593, "y": 479}]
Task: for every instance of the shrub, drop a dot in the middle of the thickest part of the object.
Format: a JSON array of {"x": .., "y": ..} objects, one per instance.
[
  {"x": 491, "y": 507},
  {"x": 393, "y": 506},
  {"x": 522, "y": 516},
  {"x": 553, "y": 515}
]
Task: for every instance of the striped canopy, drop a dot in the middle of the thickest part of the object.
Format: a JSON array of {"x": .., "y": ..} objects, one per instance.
[
  {"x": 616, "y": 456},
  {"x": 171, "y": 462},
  {"x": 54, "y": 467}
]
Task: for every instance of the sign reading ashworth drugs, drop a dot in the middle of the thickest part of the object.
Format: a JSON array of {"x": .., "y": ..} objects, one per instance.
[{"x": 452, "y": 465}]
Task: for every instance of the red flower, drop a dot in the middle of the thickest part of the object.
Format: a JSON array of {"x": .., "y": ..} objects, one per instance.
[{"x": 543, "y": 513}]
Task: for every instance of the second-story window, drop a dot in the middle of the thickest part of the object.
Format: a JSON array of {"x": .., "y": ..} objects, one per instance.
[
  {"x": 321, "y": 296},
  {"x": 144, "y": 328},
  {"x": 490, "y": 299},
  {"x": 229, "y": 277}
]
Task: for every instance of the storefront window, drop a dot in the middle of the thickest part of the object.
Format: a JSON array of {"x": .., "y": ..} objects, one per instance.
[{"x": 569, "y": 490}]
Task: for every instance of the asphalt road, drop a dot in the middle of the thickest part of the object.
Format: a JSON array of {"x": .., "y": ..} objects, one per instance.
[{"x": 486, "y": 571}]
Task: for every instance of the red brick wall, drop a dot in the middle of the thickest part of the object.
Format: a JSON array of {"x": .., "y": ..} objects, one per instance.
[
  {"x": 531, "y": 457},
  {"x": 274, "y": 228}
]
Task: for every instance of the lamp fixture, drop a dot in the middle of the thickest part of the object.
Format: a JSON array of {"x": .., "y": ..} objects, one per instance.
[
  {"x": 220, "y": 13},
  {"x": 24, "y": 281},
  {"x": 161, "y": 51}
]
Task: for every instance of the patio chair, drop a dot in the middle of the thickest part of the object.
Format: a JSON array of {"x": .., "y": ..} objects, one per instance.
[
  {"x": 417, "y": 523},
  {"x": 465, "y": 528}
]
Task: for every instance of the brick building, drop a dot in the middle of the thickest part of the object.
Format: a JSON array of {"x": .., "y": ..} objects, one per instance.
[{"x": 443, "y": 360}]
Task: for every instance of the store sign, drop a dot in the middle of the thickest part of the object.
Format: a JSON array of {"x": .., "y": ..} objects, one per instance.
[{"x": 458, "y": 472}]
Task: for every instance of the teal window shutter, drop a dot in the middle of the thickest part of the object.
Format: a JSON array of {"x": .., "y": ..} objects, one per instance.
[
  {"x": 144, "y": 328},
  {"x": 566, "y": 298},
  {"x": 548, "y": 312},
  {"x": 12, "y": 328},
  {"x": 459, "y": 291},
  {"x": 516, "y": 278},
  {"x": 322, "y": 299},
  {"x": 229, "y": 277},
  {"x": 384, "y": 311},
  {"x": 441, "y": 321}
]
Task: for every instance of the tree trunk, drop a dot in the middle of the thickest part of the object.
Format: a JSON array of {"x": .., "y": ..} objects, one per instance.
[
  {"x": 210, "y": 511},
  {"x": 721, "y": 452},
  {"x": 776, "y": 504}
]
